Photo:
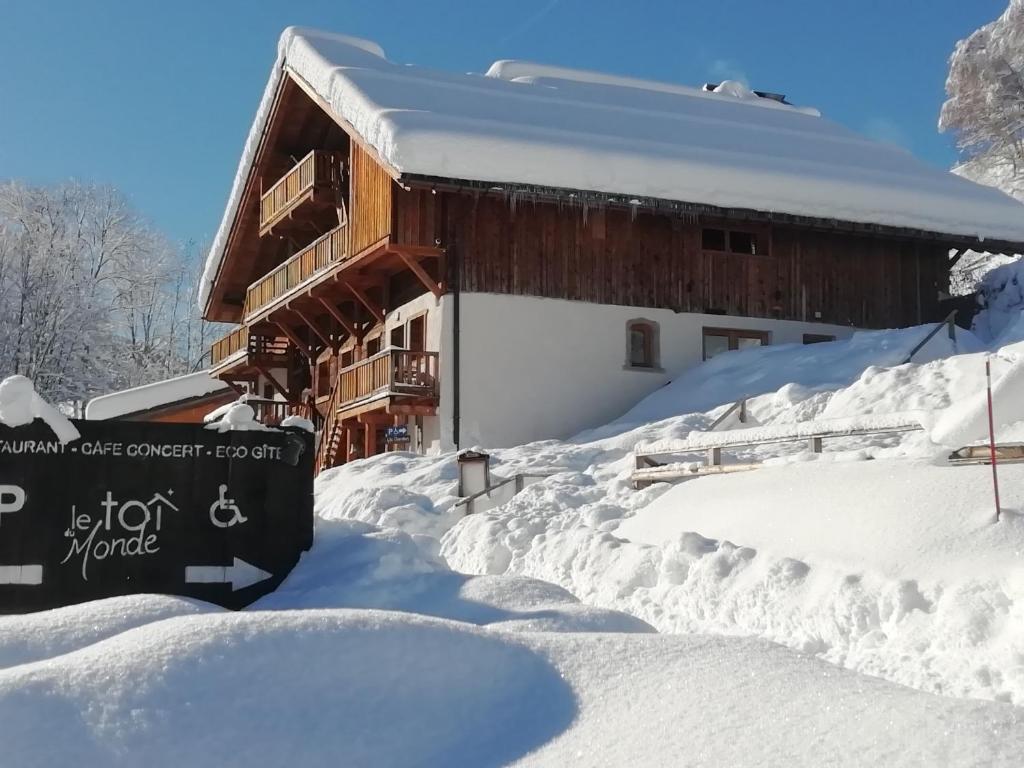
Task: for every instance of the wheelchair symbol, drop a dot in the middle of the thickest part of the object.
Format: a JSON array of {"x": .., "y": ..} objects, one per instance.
[{"x": 225, "y": 505}]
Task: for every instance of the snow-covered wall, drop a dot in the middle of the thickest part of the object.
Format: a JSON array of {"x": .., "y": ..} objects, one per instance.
[{"x": 540, "y": 368}]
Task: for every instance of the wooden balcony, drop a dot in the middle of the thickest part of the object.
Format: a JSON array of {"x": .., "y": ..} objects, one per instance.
[
  {"x": 243, "y": 348},
  {"x": 399, "y": 375},
  {"x": 230, "y": 345},
  {"x": 315, "y": 178},
  {"x": 301, "y": 268},
  {"x": 271, "y": 413}
]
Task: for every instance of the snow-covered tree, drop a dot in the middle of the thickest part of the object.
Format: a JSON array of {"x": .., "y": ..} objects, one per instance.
[
  {"x": 985, "y": 89},
  {"x": 92, "y": 298}
]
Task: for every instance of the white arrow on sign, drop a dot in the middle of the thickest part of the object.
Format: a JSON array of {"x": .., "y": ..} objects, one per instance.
[
  {"x": 31, "y": 575},
  {"x": 239, "y": 574}
]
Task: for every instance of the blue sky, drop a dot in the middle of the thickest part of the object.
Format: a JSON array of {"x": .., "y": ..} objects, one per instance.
[{"x": 156, "y": 98}]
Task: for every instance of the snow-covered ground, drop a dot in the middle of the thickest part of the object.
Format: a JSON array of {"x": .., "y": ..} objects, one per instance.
[
  {"x": 343, "y": 667},
  {"x": 853, "y": 607}
]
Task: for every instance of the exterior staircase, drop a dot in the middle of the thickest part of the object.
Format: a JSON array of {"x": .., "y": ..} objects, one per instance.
[{"x": 331, "y": 432}]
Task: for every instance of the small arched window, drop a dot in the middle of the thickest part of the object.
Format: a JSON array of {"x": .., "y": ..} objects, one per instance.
[{"x": 641, "y": 344}]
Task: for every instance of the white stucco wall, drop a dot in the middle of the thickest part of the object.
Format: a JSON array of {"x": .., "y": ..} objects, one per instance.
[{"x": 541, "y": 368}]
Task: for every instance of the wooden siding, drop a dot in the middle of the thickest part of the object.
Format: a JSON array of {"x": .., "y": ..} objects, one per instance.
[
  {"x": 613, "y": 257},
  {"x": 371, "y": 201}
]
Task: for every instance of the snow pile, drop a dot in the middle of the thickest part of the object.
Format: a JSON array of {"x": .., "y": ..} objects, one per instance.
[
  {"x": 37, "y": 636},
  {"x": 21, "y": 405},
  {"x": 234, "y": 417},
  {"x": 298, "y": 422},
  {"x": 525, "y": 123},
  {"x": 329, "y": 687},
  {"x": 1001, "y": 294}
]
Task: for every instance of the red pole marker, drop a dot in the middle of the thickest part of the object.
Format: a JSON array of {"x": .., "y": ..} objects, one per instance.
[{"x": 992, "y": 435}]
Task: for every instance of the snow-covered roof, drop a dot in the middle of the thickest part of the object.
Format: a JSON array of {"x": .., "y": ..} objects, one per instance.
[
  {"x": 154, "y": 395},
  {"x": 525, "y": 123}
]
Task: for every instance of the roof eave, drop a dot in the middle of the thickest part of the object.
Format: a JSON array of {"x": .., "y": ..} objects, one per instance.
[{"x": 597, "y": 199}]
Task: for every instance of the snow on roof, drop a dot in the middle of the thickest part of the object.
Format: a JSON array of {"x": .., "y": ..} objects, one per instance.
[
  {"x": 526, "y": 123},
  {"x": 153, "y": 395}
]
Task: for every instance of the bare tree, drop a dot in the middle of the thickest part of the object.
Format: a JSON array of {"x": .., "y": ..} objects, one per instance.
[
  {"x": 985, "y": 89},
  {"x": 92, "y": 298}
]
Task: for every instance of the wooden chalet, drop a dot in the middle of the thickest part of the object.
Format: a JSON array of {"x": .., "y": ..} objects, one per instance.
[{"x": 436, "y": 254}]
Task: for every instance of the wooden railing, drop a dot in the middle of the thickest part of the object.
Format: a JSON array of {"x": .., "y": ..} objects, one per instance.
[
  {"x": 225, "y": 347},
  {"x": 316, "y": 257},
  {"x": 255, "y": 344},
  {"x": 319, "y": 168},
  {"x": 331, "y": 433},
  {"x": 394, "y": 371},
  {"x": 272, "y": 412}
]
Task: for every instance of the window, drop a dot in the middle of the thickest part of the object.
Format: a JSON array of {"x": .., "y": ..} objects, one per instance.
[
  {"x": 372, "y": 346},
  {"x": 733, "y": 241},
  {"x": 642, "y": 344},
  {"x": 416, "y": 331},
  {"x": 743, "y": 242},
  {"x": 398, "y": 337},
  {"x": 713, "y": 240},
  {"x": 323, "y": 378},
  {"x": 817, "y": 338},
  {"x": 719, "y": 340}
]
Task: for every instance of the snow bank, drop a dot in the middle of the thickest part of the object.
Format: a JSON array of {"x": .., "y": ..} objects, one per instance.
[
  {"x": 794, "y": 371},
  {"x": 36, "y": 636},
  {"x": 873, "y": 555},
  {"x": 330, "y": 687},
  {"x": 21, "y": 405},
  {"x": 1001, "y": 292},
  {"x": 537, "y": 125},
  {"x": 967, "y": 421}
]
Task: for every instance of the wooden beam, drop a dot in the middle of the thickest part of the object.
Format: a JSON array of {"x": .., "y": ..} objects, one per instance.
[
  {"x": 324, "y": 336},
  {"x": 418, "y": 270},
  {"x": 956, "y": 257},
  {"x": 293, "y": 337},
  {"x": 340, "y": 316},
  {"x": 412, "y": 410},
  {"x": 417, "y": 250},
  {"x": 273, "y": 382},
  {"x": 366, "y": 301},
  {"x": 238, "y": 390}
]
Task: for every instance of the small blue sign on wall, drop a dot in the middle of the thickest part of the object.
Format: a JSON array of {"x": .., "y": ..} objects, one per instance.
[{"x": 397, "y": 434}]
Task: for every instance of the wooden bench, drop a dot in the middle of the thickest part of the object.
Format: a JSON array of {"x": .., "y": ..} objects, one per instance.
[{"x": 650, "y": 468}]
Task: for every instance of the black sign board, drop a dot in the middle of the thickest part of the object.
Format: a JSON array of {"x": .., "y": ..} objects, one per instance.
[{"x": 145, "y": 507}]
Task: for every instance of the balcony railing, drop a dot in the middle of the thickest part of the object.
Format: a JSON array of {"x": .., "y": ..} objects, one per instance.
[
  {"x": 257, "y": 346},
  {"x": 392, "y": 372},
  {"x": 314, "y": 258},
  {"x": 319, "y": 170},
  {"x": 224, "y": 348},
  {"x": 271, "y": 413}
]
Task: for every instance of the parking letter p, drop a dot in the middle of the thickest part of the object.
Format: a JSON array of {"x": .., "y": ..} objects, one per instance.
[{"x": 12, "y": 498}]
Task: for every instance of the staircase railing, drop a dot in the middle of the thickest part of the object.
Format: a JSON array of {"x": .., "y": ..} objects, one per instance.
[
  {"x": 948, "y": 322},
  {"x": 330, "y": 432}
]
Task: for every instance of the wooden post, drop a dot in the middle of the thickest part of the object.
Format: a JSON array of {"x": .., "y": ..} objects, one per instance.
[
  {"x": 369, "y": 440},
  {"x": 714, "y": 457},
  {"x": 346, "y": 448},
  {"x": 814, "y": 445},
  {"x": 992, "y": 436}
]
